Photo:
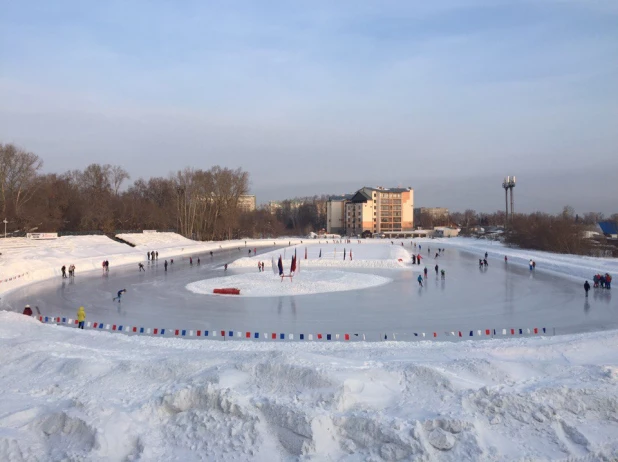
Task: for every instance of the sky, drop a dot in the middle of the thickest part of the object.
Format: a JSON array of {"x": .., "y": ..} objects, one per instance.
[{"x": 325, "y": 97}]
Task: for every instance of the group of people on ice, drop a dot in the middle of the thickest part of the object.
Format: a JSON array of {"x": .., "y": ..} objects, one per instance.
[
  {"x": 152, "y": 255},
  {"x": 604, "y": 281},
  {"x": 260, "y": 266},
  {"x": 71, "y": 271}
]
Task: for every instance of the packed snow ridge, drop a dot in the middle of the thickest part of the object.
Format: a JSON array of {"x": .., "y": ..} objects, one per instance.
[
  {"x": 266, "y": 284},
  {"x": 84, "y": 395},
  {"x": 367, "y": 254}
]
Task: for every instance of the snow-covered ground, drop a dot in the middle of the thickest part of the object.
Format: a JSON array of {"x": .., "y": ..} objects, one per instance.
[
  {"x": 69, "y": 394},
  {"x": 84, "y": 395},
  {"x": 267, "y": 284},
  {"x": 320, "y": 254}
]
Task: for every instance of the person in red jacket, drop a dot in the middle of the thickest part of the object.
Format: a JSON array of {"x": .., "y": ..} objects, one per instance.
[{"x": 28, "y": 310}]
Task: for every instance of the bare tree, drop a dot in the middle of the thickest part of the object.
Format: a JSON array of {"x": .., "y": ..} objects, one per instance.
[
  {"x": 18, "y": 175},
  {"x": 118, "y": 175}
]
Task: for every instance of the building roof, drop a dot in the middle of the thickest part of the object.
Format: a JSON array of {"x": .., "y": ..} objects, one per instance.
[
  {"x": 341, "y": 197},
  {"x": 608, "y": 227},
  {"x": 394, "y": 190}
]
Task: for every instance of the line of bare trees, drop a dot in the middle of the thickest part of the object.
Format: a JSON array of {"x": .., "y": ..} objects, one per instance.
[{"x": 202, "y": 204}]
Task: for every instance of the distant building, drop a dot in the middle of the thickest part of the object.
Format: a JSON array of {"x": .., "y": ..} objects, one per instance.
[
  {"x": 609, "y": 229},
  {"x": 246, "y": 203},
  {"x": 383, "y": 211},
  {"x": 430, "y": 215},
  {"x": 335, "y": 214}
]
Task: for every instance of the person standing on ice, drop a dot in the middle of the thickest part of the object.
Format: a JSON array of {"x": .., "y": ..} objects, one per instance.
[
  {"x": 436, "y": 268},
  {"x": 81, "y": 317},
  {"x": 443, "y": 273},
  {"x": 64, "y": 271},
  {"x": 530, "y": 264},
  {"x": 420, "y": 280},
  {"x": 414, "y": 259},
  {"x": 505, "y": 259},
  {"x": 165, "y": 265},
  {"x": 259, "y": 267},
  {"x": 418, "y": 258},
  {"x": 586, "y": 287},
  {"x": 225, "y": 267},
  {"x": 191, "y": 261},
  {"x": 486, "y": 255},
  {"x": 425, "y": 272}
]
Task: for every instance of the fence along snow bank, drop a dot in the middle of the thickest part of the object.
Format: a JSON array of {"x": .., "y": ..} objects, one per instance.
[{"x": 252, "y": 335}]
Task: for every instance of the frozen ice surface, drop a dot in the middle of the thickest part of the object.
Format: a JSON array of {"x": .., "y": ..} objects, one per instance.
[{"x": 501, "y": 296}]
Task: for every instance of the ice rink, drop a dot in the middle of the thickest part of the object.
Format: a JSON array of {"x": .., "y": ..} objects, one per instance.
[{"x": 500, "y": 296}]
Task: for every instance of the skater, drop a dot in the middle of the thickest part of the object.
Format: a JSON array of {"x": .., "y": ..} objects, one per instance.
[
  {"x": 420, "y": 280},
  {"x": 119, "y": 294},
  {"x": 165, "y": 265},
  {"x": 259, "y": 267},
  {"x": 443, "y": 274},
  {"x": 64, "y": 271},
  {"x": 191, "y": 261},
  {"x": 418, "y": 258},
  {"x": 81, "y": 317},
  {"x": 27, "y": 310},
  {"x": 506, "y": 259},
  {"x": 414, "y": 259},
  {"x": 533, "y": 264},
  {"x": 485, "y": 262},
  {"x": 480, "y": 263},
  {"x": 586, "y": 287},
  {"x": 171, "y": 261},
  {"x": 157, "y": 254},
  {"x": 425, "y": 272},
  {"x": 436, "y": 268},
  {"x": 608, "y": 281},
  {"x": 107, "y": 266},
  {"x": 255, "y": 250},
  {"x": 141, "y": 267},
  {"x": 486, "y": 255},
  {"x": 148, "y": 255},
  {"x": 530, "y": 264},
  {"x": 249, "y": 251},
  {"x": 437, "y": 255},
  {"x": 198, "y": 261},
  {"x": 225, "y": 267},
  {"x": 262, "y": 267},
  {"x": 211, "y": 253}
]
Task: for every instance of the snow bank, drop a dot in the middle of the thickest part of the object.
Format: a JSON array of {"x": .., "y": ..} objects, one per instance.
[
  {"x": 573, "y": 266},
  {"x": 266, "y": 284},
  {"x": 83, "y": 395},
  {"x": 367, "y": 254}
]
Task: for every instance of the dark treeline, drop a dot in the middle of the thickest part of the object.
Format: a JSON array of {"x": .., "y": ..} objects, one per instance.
[
  {"x": 565, "y": 232},
  {"x": 202, "y": 204}
]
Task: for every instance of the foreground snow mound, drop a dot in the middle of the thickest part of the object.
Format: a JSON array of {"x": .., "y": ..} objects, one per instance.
[
  {"x": 266, "y": 284},
  {"x": 368, "y": 254},
  {"x": 84, "y": 395}
]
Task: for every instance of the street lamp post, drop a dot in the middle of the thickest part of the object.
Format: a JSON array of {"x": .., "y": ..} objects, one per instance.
[{"x": 5, "y": 222}]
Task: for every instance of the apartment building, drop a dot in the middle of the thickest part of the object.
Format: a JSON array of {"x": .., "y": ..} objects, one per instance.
[
  {"x": 246, "y": 203},
  {"x": 335, "y": 214},
  {"x": 388, "y": 211}
]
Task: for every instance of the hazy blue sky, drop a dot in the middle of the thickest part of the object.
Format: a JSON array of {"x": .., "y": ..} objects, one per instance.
[{"x": 325, "y": 97}]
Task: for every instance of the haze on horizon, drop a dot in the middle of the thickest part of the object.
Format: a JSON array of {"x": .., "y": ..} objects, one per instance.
[{"x": 325, "y": 97}]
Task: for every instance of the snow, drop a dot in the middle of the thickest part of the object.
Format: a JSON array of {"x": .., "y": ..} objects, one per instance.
[
  {"x": 70, "y": 394},
  {"x": 84, "y": 395},
  {"x": 266, "y": 284},
  {"x": 367, "y": 254}
]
